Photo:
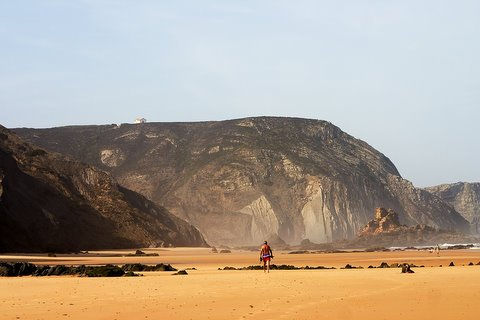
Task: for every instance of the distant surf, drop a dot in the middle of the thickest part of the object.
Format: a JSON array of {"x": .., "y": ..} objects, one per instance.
[{"x": 471, "y": 246}]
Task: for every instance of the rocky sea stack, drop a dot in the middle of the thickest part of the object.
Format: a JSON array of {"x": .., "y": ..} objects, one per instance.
[{"x": 385, "y": 230}]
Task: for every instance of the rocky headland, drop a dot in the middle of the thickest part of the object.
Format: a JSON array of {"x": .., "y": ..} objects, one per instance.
[{"x": 242, "y": 181}]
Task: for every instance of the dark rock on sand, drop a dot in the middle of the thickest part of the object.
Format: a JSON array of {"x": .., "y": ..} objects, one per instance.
[
  {"x": 349, "y": 266},
  {"x": 17, "y": 269},
  {"x": 180, "y": 273},
  {"x": 58, "y": 270},
  {"x": 384, "y": 265},
  {"x": 451, "y": 264},
  {"x": 406, "y": 268},
  {"x": 299, "y": 252},
  {"x": 228, "y": 268},
  {"x": 376, "y": 249},
  {"x": 225, "y": 251},
  {"x": 278, "y": 267},
  {"x": 471, "y": 264},
  {"x": 27, "y": 269},
  {"x": 105, "y": 271},
  {"x": 142, "y": 267}
]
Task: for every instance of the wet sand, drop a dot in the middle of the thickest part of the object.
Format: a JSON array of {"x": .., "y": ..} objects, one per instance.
[{"x": 207, "y": 293}]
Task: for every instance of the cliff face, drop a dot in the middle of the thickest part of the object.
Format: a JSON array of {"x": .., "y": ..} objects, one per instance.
[
  {"x": 51, "y": 203},
  {"x": 240, "y": 181},
  {"x": 464, "y": 197}
]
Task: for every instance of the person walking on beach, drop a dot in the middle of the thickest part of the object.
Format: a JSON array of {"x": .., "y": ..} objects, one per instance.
[{"x": 266, "y": 255}]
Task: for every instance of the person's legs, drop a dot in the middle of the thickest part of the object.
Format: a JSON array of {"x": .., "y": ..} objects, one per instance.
[
  {"x": 264, "y": 265},
  {"x": 268, "y": 266}
]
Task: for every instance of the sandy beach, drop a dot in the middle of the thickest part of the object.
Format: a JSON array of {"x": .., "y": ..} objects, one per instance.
[{"x": 432, "y": 292}]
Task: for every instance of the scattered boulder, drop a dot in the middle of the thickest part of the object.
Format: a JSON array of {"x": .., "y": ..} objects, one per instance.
[
  {"x": 406, "y": 268},
  {"x": 141, "y": 253},
  {"x": 58, "y": 270},
  {"x": 394, "y": 265},
  {"x": 27, "y": 269},
  {"x": 451, "y": 264},
  {"x": 384, "y": 265},
  {"x": 142, "y": 267},
  {"x": 225, "y": 251},
  {"x": 41, "y": 271},
  {"x": 376, "y": 249},
  {"x": 471, "y": 264},
  {"x": 105, "y": 271},
  {"x": 228, "y": 268},
  {"x": 17, "y": 269},
  {"x": 6, "y": 270},
  {"x": 460, "y": 247},
  {"x": 349, "y": 266},
  {"x": 318, "y": 268},
  {"x": 277, "y": 267},
  {"x": 180, "y": 273}
]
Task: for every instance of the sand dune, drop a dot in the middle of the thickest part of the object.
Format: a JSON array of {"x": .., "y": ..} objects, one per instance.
[{"x": 207, "y": 293}]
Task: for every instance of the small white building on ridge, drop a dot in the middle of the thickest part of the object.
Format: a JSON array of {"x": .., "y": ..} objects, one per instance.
[{"x": 140, "y": 120}]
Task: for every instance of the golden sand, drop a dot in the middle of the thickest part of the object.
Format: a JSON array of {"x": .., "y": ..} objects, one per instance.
[{"x": 208, "y": 293}]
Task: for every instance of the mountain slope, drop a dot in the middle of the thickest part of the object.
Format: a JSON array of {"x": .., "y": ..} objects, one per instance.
[
  {"x": 240, "y": 181},
  {"x": 464, "y": 197},
  {"x": 51, "y": 203}
]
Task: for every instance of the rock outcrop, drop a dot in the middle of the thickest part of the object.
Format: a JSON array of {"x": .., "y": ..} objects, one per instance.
[
  {"x": 239, "y": 181},
  {"x": 51, "y": 203},
  {"x": 385, "y": 220},
  {"x": 386, "y": 230},
  {"x": 464, "y": 197}
]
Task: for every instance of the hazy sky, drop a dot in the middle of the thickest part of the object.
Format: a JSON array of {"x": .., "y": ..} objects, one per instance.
[{"x": 402, "y": 75}]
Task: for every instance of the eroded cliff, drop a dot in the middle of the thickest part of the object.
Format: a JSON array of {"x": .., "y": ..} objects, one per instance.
[
  {"x": 464, "y": 197},
  {"x": 49, "y": 202},
  {"x": 241, "y": 180}
]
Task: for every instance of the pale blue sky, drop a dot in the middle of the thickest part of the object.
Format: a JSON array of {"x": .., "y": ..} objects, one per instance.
[{"x": 402, "y": 75}]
